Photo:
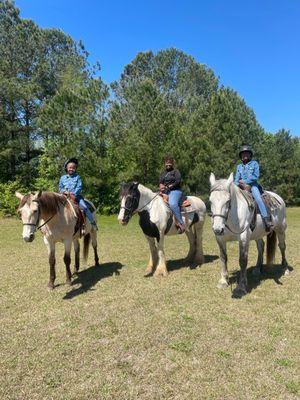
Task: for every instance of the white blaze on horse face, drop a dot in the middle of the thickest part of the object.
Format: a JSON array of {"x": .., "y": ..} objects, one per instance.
[
  {"x": 219, "y": 207},
  {"x": 29, "y": 215},
  {"x": 122, "y": 211}
]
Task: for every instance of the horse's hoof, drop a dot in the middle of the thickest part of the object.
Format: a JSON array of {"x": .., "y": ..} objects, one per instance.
[
  {"x": 222, "y": 285},
  {"x": 50, "y": 286},
  {"x": 256, "y": 271},
  {"x": 160, "y": 273},
  {"x": 238, "y": 293},
  {"x": 147, "y": 274}
]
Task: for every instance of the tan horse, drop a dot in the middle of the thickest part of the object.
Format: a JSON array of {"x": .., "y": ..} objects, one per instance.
[{"x": 55, "y": 217}]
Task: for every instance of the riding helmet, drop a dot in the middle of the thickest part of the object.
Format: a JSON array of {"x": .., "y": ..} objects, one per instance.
[{"x": 246, "y": 147}]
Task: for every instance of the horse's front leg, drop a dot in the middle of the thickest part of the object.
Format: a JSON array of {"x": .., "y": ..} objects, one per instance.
[
  {"x": 77, "y": 255},
  {"x": 67, "y": 260},
  {"x": 224, "y": 281},
  {"x": 161, "y": 269},
  {"x": 153, "y": 256},
  {"x": 241, "y": 288},
  {"x": 51, "y": 254}
]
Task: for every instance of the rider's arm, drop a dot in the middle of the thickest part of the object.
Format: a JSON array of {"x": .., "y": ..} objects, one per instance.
[
  {"x": 177, "y": 180},
  {"x": 61, "y": 186},
  {"x": 237, "y": 176},
  {"x": 78, "y": 187}
]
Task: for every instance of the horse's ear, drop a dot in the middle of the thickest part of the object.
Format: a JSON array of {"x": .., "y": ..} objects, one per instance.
[
  {"x": 19, "y": 195},
  {"x": 230, "y": 179},
  {"x": 38, "y": 194},
  {"x": 212, "y": 179}
]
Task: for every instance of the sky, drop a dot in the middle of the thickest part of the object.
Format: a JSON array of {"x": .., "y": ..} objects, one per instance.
[{"x": 252, "y": 46}]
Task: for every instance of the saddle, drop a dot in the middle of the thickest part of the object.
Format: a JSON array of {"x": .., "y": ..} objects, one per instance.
[
  {"x": 79, "y": 213},
  {"x": 270, "y": 202},
  {"x": 185, "y": 203},
  {"x": 185, "y": 208}
]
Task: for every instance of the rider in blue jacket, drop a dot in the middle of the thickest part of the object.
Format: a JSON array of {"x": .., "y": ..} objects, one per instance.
[
  {"x": 71, "y": 183},
  {"x": 246, "y": 177}
]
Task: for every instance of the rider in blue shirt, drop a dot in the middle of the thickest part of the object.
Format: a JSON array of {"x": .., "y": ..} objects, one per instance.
[
  {"x": 71, "y": 183},
  {"x": 246, "y": 177}
]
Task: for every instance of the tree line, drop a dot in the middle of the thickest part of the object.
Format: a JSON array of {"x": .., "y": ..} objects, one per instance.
[{"x": 54, "y": 104}]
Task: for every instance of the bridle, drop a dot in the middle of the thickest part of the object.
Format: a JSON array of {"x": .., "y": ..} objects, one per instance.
[
  {"x": 134, "y": 206},
  {"x": 38, "y": 218},
  {"x": 225, "y": 216}
]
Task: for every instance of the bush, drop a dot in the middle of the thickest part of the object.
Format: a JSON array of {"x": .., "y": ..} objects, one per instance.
[{"x": 8, "y": 201}]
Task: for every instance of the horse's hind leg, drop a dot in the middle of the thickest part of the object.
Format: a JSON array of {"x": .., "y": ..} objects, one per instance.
[
  {"x": 192, "y": 242},
  {"x": 95, "y": 246},
  {"x": 224, "y": 281},
  {"x": 282, "y": 247},
  {"x": 198, "y": 230},
  {"x": 67, "y": 260},
  {"x": 77, "y": 255},
  {"x": 260, "y": 244},
  {"x": 153, "y": 256},
  {"x": 51, "y": 254}
]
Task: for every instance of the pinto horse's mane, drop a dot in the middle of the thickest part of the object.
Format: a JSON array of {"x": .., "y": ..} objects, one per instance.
[{"x": 48, "y": 201}]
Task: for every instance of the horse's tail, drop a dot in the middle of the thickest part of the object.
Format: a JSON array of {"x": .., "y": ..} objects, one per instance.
[
  {"x": 271, "y": 247},
  {"x": 86, "y": 243}
]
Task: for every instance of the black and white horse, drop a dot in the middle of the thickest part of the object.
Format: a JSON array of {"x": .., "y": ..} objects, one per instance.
[{"x": 156, "y": 221}]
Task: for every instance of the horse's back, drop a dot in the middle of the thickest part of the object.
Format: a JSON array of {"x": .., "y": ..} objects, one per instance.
[{"x": 198, "y": 205}]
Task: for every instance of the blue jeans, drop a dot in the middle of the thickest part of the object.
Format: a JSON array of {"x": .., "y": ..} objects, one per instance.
[
  {"x": 85, "y": 208},
  {"x": 174, "y": 199},
  {"x": 257, "y": 196}
]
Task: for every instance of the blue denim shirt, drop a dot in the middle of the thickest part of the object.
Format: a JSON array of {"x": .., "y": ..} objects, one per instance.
[
  {"x": 70, "y": 183},
  {"x": 249, "y": 173}
]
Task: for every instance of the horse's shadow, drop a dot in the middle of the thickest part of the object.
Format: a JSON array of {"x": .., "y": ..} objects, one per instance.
[
  {"x": 274, "y": 272},
  {"x": 173, "y": 265},
  {"x": 89, "y": 277}
]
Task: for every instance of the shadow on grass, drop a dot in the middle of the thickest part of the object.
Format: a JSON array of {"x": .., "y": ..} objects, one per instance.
[
  {"x": 173, "y": 265},
  {"x": 274, "y": 272},
  {"x": 90, "y": 276}
]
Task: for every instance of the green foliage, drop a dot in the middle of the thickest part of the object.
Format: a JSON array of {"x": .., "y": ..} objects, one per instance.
[
  {"x": 53, "y": 106},
  {"x": 8, "y": 201}
]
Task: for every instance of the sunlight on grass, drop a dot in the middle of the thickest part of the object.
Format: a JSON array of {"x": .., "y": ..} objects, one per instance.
[{"x": 117, "y": 335}]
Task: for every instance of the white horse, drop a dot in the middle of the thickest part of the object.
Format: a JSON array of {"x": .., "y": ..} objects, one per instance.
[
  {"x": 156, "y": 221},
  {"x": 55, "y": 217},
  {"x": 232, "y": 219}
]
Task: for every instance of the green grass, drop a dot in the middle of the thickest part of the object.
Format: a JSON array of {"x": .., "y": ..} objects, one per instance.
[{"x": 117, "y": 335}]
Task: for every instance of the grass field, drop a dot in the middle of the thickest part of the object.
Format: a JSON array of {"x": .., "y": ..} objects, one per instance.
[{"x": 117, "y": 335}]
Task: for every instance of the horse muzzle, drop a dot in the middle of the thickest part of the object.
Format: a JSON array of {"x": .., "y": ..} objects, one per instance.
[
  {"x": 218, "y": 231},
  {"x": 29, "y": 238}
]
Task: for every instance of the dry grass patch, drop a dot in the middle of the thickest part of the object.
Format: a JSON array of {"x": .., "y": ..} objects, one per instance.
[{"x": 117, "y": 335}]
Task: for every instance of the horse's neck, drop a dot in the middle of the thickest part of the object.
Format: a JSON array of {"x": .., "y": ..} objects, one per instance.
[
  {"x": 239, "y": 210},
  {"x": 146, "y": 195},
  {"x": 151, "y": 201},
  {"x": 53, "y": 213}
]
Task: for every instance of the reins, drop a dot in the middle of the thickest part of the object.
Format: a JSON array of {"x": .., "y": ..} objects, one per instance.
[{"x": 157, "y": 194}]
